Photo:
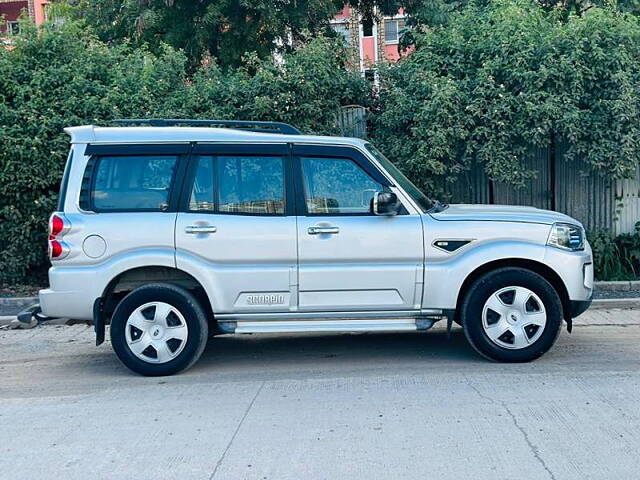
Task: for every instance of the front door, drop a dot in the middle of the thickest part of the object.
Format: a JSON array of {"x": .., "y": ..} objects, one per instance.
[
  {"x": 237, "y": 229},
  {"x": 349, "y": 258}
]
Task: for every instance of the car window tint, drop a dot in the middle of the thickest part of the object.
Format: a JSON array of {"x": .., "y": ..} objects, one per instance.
[
  {"x": 251, "y": 185},
  {"x": 133, "y": 182},
  {"x": 202, "y": 198},
  {"x": 337, "y": 186}
]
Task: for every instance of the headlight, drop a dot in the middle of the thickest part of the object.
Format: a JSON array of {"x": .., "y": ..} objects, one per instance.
[{"x": 566, "y": 236}]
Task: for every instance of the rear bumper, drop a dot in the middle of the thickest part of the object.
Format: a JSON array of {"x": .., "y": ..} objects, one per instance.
[
  {"x": 578, "y": 307},
  {"x": 71, "y": 293},
  {"x": 66, "y": 304}
]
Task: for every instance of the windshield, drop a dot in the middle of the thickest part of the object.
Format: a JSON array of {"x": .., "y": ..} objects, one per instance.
[{"x": 414, "y": 192}]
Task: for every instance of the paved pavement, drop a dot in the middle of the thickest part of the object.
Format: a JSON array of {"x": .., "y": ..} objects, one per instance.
[{"x": 330, "y": 406}]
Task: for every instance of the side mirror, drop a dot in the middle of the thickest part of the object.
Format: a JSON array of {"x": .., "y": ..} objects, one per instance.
[{"x": 385, "y": 203}]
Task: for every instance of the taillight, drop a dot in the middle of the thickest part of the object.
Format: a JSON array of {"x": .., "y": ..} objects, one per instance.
[
  {"x": 58, "y": 226},
  {"x": 57, "y": 249}
]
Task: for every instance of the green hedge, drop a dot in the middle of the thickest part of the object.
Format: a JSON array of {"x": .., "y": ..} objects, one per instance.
[
  {"x": 64, "y": 76},
  {"x": 503, "y": 77}
]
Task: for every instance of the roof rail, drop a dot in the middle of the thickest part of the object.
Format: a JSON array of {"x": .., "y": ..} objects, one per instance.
[{"x": 254, "y": 126}]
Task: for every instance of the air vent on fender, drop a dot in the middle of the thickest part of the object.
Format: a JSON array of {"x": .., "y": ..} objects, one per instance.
[{"x": 450, "y": 245}]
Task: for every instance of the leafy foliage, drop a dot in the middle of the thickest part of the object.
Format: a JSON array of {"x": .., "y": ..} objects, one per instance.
[
  {"x": 502, "y": 78},
  {"x": 227, "y": 30},
  {"x": 223, "y": 29},
  {"x": 60, "y": 77},
  {"x": 616, "y": 258}
]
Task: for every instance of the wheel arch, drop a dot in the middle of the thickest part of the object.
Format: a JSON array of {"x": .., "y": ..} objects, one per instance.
[
  {"x": 128, "y": 280},
  {"x": 538, "y": 267}
]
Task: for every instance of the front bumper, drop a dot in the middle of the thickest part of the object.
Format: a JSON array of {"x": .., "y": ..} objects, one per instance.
[{"x": 575, "y": 269}]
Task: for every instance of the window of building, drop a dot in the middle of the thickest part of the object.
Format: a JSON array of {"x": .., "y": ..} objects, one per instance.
[
  {"x": 343, "y": 30},
  {"x": 337, "y": 186},
  {"x": 13, "y": 28},
  {"x": 367, "y": 27},
  {"x": 370, "y": 74},
  {"x": 242, "y": 185},
  {"x": 393, "y": 30},
  {"x": 130, "y": 183}
]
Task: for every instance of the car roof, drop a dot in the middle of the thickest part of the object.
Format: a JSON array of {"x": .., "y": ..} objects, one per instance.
[{"x": 95, "y": 134}]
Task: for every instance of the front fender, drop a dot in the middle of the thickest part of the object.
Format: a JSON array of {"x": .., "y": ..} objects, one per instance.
[{"x": 445, "y": 275}]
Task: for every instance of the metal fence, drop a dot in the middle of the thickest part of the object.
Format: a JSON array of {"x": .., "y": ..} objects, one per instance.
[
  {"x": 352, "y": 121},
  {"x": 566, "y": 186},
  {"x": 627, "y": 208}
]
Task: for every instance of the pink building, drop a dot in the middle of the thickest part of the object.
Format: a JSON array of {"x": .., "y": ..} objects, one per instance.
[
  {"x": 11, "y": 10},
  {"x": 372, "y": 41}
]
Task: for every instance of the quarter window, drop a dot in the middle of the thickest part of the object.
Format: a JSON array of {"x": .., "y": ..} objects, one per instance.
[
  {"x": 337, "y": 186},
  {"x": 239, "y": 184},
  {"x": 132, "y": 183},
  {"x": 202, "y": 196}
]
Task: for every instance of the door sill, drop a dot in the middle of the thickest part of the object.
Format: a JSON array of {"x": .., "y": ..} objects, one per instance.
[{"x": 340, "y": 325}]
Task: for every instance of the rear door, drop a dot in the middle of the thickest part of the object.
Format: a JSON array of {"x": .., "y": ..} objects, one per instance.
[
  {"x": 237, "y": 229},
  {"x": 349, "y": 258}
]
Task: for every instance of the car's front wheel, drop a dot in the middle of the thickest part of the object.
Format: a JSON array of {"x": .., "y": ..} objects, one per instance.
[
  {"x": 511, "y": 315},
  {"x": 158, "y": 329}
]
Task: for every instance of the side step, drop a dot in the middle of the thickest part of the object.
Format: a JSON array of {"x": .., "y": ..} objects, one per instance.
[{"x": 344, "y": 325}]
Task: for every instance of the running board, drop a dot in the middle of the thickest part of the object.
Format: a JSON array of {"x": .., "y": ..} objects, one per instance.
[{"x": 345, "y": 325}]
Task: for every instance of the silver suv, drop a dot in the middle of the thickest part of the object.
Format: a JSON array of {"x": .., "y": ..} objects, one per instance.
[{"x": 176, "y": 230}]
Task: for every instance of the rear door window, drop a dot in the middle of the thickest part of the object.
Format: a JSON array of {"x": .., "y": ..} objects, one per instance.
[
  {"x": 133, "y": 183},
  {"x": 249, "y": 185}
]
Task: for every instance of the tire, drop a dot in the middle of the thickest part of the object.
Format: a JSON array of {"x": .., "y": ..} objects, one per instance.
[
  {"x": 520, "y": 331},
  {"x": 164, "y": 317}
]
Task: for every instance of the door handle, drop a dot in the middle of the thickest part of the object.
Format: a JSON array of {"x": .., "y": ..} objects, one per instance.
[
  {"x": 200, "y": 229},
  {"x": 321, "y": 230}
]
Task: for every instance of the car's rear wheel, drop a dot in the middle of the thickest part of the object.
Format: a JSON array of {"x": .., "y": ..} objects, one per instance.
[
  {"x": 159, "y": 329},
  {"x": 511, "y": 315}
]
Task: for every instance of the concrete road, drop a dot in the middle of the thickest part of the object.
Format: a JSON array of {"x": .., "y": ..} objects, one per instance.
[{"x": 374, "y": 406}]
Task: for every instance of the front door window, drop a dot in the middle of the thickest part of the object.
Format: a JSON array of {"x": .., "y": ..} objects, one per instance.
[{"x": 337, "y": 186}]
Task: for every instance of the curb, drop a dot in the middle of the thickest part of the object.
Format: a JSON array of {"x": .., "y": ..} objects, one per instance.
[
  {"x": 620, "y": 286},
  {"x": 621, "y": 303},
  {"x": 17, "y": 301}
]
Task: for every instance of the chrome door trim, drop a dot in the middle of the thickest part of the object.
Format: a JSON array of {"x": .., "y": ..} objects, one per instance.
[{"x": 270, "y": 316}]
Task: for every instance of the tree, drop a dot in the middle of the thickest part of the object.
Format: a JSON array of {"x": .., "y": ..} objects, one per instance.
[
  {"x": 223, "y": 29},
  {"x": 228, "y": 29},
  {"x": 502, "y": 78}
]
